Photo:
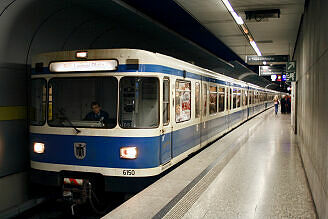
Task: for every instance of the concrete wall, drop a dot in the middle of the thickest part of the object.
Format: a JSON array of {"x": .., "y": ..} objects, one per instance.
[{"x": 312, "y": 100}]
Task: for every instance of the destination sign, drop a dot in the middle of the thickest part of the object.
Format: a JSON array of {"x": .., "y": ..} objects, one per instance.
[
  {"x": 263, "y": 60},
  {"x": 272, "y": 70},
  {"x": 82, "y": 66}
]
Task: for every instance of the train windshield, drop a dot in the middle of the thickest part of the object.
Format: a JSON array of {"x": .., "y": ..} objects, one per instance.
[
  {"x": 139, "y": 102},
  {"x": 38, "y": 101},
  {"x": 83, "y": 102}
]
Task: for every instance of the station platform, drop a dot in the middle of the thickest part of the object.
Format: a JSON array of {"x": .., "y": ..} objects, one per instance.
[{"x": 255, "y": 171}]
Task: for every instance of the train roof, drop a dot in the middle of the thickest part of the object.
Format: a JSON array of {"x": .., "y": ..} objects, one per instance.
[{"x": 124, "y": 56}]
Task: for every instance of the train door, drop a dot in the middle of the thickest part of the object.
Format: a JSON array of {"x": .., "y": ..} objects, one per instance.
[
  {"x": 197, "y": 132},
  {"x": 229, "y": 94},
  {"x": 166, "y": 131},
  {"x": 248, "y": 101},
  {"x": 204, "y": 112}
]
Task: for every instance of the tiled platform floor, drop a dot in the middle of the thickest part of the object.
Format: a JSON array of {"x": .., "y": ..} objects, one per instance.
[{"x": 265, "y": 179}]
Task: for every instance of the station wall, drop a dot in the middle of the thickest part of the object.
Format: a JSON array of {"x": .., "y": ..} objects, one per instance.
[{"x": 311, "y": 55}]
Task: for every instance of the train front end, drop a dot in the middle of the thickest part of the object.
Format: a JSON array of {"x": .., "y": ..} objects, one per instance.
[{"x": 94, "y": 122}]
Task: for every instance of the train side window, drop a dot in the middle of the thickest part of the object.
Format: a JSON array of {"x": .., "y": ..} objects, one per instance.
[
  {"x": 166, "y": 101},
  {"x": 221, "y": 98},
  {"x": 231, "y": 98},
  {"x": 238, "y": 97},
  {"x": 227, "y": 99},
  {"x": 244, "y": 97},
  {"x": 234, "y": 101},
  {"x": 182, "y": 101},
  {"x": 139, "y": 102},
  {"x": 204, "y": 99},
  {"x": 213, "y": 100},
  {"x": 197, "y": 100}
]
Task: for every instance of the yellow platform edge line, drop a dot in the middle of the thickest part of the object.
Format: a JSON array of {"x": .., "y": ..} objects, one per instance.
[{"x": 12, "y": 113}]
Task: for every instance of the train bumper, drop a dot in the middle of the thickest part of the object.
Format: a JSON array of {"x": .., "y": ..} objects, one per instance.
[{"x": 110, "y": 183}]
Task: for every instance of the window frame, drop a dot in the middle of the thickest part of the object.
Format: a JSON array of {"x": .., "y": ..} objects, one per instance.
[
  {"x": 204, "y": 100},
  {"x": 175, "y": 102},
  {"x": 45, "y": 119},
  {"x": 224, "y": 98},
  {"x": 199, "y": 102},
  {"x": 119, "y": 100},
  {"x": 234, "y": 103},
  {"x": 169, "y": 102},
  {"x": 238, "y": 96},
  {"x": 216, "y": 93},
  {"x": 87, "y": 127}
]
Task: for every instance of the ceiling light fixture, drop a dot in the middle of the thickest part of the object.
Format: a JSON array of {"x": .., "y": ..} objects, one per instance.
[
  {"x": 242, "y": 26},
  {"x": 258, "y": 52}
]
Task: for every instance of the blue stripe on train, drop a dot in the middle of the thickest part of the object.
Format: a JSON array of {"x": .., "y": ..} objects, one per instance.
[
  {"x": 101, "y": 151},
  {"x": 105, "y": 151}
]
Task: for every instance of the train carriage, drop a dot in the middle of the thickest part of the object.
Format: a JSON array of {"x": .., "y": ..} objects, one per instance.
[{"x": 157, "y": 109}]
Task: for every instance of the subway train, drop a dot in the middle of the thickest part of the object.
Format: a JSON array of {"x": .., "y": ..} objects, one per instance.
[{"x": 108, "y": 120}]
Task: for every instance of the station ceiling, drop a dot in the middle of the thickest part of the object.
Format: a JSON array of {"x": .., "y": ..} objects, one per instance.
[
  {"x": 274, "y": 36},
  {"x": 35, "y": 26}
]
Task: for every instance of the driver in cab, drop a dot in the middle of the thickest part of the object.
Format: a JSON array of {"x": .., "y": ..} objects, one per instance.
[{"x": 97, "y": 114}]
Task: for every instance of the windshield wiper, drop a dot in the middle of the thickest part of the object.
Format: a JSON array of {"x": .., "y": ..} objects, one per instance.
[{"x": 61, "y": 111}]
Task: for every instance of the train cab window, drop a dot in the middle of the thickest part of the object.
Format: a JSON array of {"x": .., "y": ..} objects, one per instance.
[
  {"x": 139, "y": 102},
  {"x": 221, "y": 98},
  {"x": 213, "y": 100},
  {"x": 83, "y": 102},
  {"x": 197, "y": 100},
  {"x": 166, "y": 101},
  {"x": 182, "y": 101},
  {"x": 38, "y": 102},
  {"x": 204, "y": 99},
  {"x": 238, "y": 98}
]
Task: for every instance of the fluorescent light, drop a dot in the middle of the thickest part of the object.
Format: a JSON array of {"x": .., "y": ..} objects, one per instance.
[
  {"x": 258, "y": 52},
  {"x": 237, "y": 18},
  {"x": 228, "y": 5},
  {"x": 240, "y": 21}
]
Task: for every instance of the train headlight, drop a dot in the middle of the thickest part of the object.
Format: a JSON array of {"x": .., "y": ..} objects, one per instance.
[
  {"x": 128, "y": 152},
  {"x": 38, "y": 148}
]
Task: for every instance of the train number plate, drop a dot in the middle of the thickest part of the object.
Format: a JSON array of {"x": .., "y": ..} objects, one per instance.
[{"x": 128, "y": 172}]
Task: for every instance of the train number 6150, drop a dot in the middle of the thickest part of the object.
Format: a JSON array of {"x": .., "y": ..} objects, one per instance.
[{"x": 129, "y": 172}]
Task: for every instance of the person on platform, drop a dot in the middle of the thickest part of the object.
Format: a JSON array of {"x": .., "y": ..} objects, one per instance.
[
  {"x": 276, "y": 104},
  {"x": 283, "y": 105},
  {"x": 288, "y": 104}
]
